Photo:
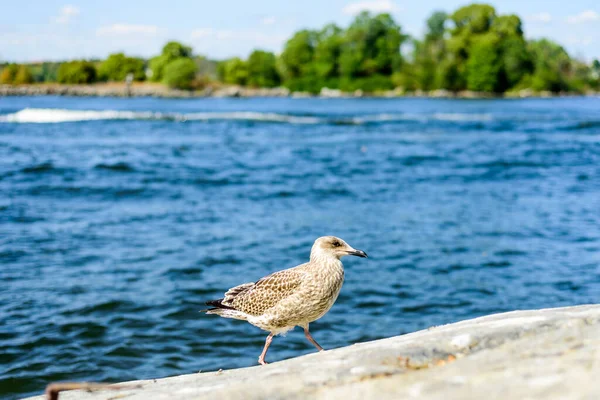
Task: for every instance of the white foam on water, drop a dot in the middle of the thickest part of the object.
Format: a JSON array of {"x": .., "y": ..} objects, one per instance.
[
  {"x": 252, "y": 116},
  {"x": 389, "y": 118},
  {"x": 462, "y": 117},
  {"x": 53, "y": 115},
  {"x": 449, "y": 117}
]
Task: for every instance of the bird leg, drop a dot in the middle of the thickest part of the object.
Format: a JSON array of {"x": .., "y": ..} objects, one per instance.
[
  {"x": 261, "y": 359},
  {"x": 310, "y": 338}
]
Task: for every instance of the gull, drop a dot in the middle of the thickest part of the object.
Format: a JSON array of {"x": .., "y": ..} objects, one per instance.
[{"x": 292, "y": 297}]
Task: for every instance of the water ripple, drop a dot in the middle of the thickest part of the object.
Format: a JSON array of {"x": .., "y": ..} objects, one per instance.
[{"x": 120, "y": 217}]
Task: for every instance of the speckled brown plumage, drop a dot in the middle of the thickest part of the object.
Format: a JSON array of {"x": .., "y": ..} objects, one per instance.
[
  {"x": 256, "y": 298},
  {"x": 292, "y": 297}
]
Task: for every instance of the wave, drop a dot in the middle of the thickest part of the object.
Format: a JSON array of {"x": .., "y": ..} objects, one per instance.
[
  {"x": 118, "y": 167},
  {"x": 253, "y": 116},
  {"x": 462, "y": 117},
  {"x": 584, "y": 125},
  {"x": 51, "y": 115},
  {"x": 407, "y": 117},
  {"x": 39, "y": 168}
]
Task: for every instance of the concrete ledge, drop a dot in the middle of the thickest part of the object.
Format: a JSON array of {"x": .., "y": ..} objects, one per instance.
[{"x": 538, "y": 354}]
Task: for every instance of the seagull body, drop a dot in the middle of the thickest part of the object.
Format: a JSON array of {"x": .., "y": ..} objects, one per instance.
[{"x": 293, "y": 297}]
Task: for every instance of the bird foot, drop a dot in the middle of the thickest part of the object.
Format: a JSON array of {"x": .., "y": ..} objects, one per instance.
[{"x": 262, "y": 362}]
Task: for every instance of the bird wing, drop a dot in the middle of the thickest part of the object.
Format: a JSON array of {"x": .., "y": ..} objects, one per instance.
[
  {"x": 232, "y": 293},
  {"x": 256, "y": 298}
]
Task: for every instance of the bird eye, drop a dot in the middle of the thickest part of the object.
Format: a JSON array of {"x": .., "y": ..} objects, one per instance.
[{"x": 336, "y": 244}]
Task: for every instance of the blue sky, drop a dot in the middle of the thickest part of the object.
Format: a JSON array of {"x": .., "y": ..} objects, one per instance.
[{"x": 67, "y": 29}]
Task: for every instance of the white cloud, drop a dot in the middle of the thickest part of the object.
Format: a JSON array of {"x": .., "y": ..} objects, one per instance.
[
  {"x": 584, "y": 16},
  {"x": 127, "y": 30},
  {"x": 375, "y": 6},
  {"x": 268, "y": 20},
  {"x": 540, "y": 17},
  {"x": 66, "y": 14}
]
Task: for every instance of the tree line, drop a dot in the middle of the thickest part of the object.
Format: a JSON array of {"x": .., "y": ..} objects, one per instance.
[{"x": 474, "y": 48}]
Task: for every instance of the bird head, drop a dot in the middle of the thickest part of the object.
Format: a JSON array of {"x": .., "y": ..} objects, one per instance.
[{"x": 331, "y": 246}]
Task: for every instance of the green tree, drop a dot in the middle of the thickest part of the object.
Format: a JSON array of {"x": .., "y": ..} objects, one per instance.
[
  {"x": 371, "y": 46},
  {"x": 450, "y": 76},
  {"x": 428, "y": 54},
  {"x": 297, "y": 55},
  {"x": 552, "y": 65},
  {"x": 514, "y": 57},
  {"x": 262, "y": 69},
  {"x": 233, "y": 71},
  {"x": 117, "y": 66},
  {"x": 370, "y": 53},
  {"x": 468, "y": 23},
  {"x": 516, "y": 62},
  {"x": 44, "y": 72},
  {"x": 327, "y": 52},
  {"x": 180, "y": 73},
  {"x": 176, "y": 50},
  {"x": 206, "y": 68},
  {"x": 580, "y": 76},
  {"x": 157, "y": 65},
  {"x": 171, "y": 51},
  {"x": 77, "y": 72},
  {"x": 595, "y": 74},
  {"x": 23, "y": 76},
  {"x": 7, "y": 77},
  {"x": 472, "y": 48},
  {"x": 483, "y": 64},
  {"x": 488, "y": 50},
  {"x": 596, "y": 66},
  {"x": 436, "y": 26},
  {"x": 473, "y": 19}
]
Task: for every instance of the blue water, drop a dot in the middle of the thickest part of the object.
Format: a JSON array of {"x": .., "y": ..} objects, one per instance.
[{"x": 116, "y": 227}]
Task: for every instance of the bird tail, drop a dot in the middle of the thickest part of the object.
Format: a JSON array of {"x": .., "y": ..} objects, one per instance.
[
  {"x": 230, "y": 295},
  {"x": 217, "y": 305},
  {"x": 224, "y": 311}
]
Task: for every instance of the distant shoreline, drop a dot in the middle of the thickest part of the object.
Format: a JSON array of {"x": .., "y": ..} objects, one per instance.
[{"x": 161, "y": 91}]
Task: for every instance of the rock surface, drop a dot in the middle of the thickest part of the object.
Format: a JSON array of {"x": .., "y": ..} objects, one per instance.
[
  {"x": 539, "y": 354},
  {"x": 146, "y": 89}
]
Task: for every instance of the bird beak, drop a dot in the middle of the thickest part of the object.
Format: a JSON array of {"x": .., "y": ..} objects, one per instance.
[{"x": 358, "y": 253}]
